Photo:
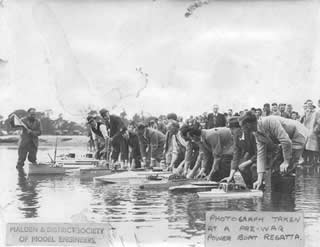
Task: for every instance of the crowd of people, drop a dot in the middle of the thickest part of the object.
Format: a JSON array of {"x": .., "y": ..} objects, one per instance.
[{"x": 274, "y": 139}]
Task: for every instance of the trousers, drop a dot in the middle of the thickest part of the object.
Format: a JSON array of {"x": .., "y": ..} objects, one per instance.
[{"x": 29, "y": 150}]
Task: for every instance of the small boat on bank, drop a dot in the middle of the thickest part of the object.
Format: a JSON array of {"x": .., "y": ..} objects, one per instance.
[
  {"x": 230, "y": 190},
  {"x": 46, "y": 168},
  {"x": 195, "y": 187}
]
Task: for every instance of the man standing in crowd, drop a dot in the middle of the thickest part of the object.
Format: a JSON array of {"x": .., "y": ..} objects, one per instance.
[
  {"x": 216, "y": 119},
  {"x": 259, "y": 113},
  {"x": 305, "y": 110},
  {"x": 275, "y": 130},
  {"x": 217, "y": 148},
  {"x": 282, "y": 110},
  {"x": 151, "y": 145},
  {"x": 100, "y": 136},
  {"x": 295, "y": 116},
  {"x": 266, "y": 110},
  {"x": 312, "y": 146},
  {"x": 229, "y": 114},
  {"x": 168, "y": 144},
  {"x": 275, "y": 110},
  {"x": 118, "y": 137},
  {"x": 289, "y": 110},
  {"x": 29, "y": 141}
]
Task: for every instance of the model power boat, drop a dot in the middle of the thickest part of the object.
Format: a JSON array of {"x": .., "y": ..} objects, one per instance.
[
  {"x": 46, "y": 168},
  {"x": 158, "y": 181},
  {"x": 195, "y": 187},
  {"x": 133, "y": 176},
  {"x": 230, "y": 190},
  {"x": 71, "y": 159}
]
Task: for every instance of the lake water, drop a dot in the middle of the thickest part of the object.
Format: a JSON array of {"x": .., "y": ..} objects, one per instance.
[{"x": 138, "y": 217}]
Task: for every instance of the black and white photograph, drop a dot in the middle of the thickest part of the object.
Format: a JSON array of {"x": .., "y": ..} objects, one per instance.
[{"x": 137, "y": 123}]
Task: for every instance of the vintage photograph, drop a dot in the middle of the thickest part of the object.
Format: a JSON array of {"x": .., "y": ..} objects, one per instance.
[{"x": 160, "y": 123}]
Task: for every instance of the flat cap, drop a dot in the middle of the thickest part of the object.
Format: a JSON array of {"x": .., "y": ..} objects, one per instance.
[
  {"x": 248, "y": 117},
  {"x": 234, "y": 122}
]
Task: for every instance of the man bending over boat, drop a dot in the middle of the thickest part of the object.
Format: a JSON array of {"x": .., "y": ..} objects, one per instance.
[
  {"x": 217, "y": 148},
  {"x": 151, "y": 145},
  {"x": 100, "y": 136},
  {"x": 178, "y": 146},
  {"x": 244, "y": 154},
  {"x": 29, "y": 141},
  {"x": 275, "y": 130},
  {"x": 118, "y": 135}
]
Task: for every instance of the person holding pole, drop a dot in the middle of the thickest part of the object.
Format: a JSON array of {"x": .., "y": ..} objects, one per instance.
[{"x": 29, "y": 139}]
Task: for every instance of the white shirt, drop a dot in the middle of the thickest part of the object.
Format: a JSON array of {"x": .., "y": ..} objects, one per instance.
[{"x": 104, "y": 131}]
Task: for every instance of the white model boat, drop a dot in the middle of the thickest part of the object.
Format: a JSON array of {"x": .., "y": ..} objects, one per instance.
[
  {"x": 163, "y": 182},
  {"x": 127, "y": 176},
  {"x": 230, "y": 190},
  {"x": 195, "y": 187},
  {"x": 72, "y": 160},
  {"x": 46, "y": 169}
]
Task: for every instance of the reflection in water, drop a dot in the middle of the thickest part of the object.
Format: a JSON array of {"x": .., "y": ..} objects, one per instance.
[
  {"x": 153, "y": 215},
  {"x": 28, "y": 195}
]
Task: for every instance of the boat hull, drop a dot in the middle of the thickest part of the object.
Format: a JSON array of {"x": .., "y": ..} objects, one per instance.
[
  {"x": 230, "y": 195},
  {"x": 79, "y": 162},
  {"x": 127, "y": 176},
  {"x": 45, "y": 169},
  {"x": 192, "y": 188},
  {"x": 165, "y": 184}
]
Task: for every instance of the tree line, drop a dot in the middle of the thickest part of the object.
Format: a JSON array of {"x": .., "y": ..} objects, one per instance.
[{"x": 50, "y": 126}]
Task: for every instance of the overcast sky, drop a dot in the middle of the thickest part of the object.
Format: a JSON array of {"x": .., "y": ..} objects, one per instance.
[{"x": 68, "y": 55}]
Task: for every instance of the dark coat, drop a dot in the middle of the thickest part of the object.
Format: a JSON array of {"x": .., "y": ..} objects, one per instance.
[
  {"x": 27, "y": 139},
  {"x": 243, "y": 144},
  {"x": 216, "y": 121},
  {"x": 116, "y": 126},
  {"x": 153, "y": 139}
]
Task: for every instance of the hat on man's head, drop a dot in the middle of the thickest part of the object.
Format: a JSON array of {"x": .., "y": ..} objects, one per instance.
[
  {"x": 234, "y": 122},
  {"x": 274, "y": 104},
  {"x": 31, "y": 109},
  {"x": 103, "y": 111},
  {"x": 174, "y": 124},
  {"x": 249, "y": 117},
  {"x": 172, "y": 116},
  {"x": 141, "y": 126},
  {"x": 90, "y": 119}
]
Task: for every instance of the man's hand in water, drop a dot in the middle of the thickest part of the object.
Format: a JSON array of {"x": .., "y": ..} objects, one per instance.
[
  {"x": 284, "y": 166},
  {"x": 257, "y": 184}
]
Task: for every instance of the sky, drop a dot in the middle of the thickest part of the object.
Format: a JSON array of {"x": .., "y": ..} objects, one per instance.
[{"x": 71, "y": 56}]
